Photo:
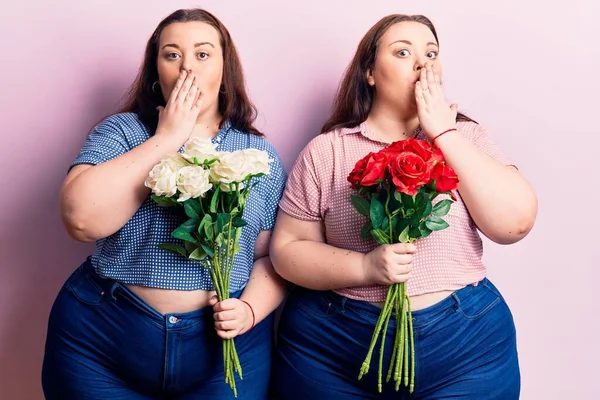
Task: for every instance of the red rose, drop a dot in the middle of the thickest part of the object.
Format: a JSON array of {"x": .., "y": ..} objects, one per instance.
[
  {"x": 420, "y": 147},
  {"x": 437, "y": 155},
  {"x": 445, "y": 177},
  {"x": 409, "y": 172},
  {"x": 369, "y": 170}
]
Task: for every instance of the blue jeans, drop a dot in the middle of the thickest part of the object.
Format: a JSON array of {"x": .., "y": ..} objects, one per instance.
[
  {"x": 104, "y": 342},
  {"x": 465, "y": 348}
]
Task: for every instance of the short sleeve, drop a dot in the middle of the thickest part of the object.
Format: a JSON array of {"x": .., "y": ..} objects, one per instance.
[
  {"x": 484, "y": 142},
  {"x": 106, "y": 141},
  {"x": 272, "y": 187},
  {"x": 302, "y": 197}
]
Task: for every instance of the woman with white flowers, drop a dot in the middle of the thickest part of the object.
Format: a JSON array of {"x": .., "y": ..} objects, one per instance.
[{"x": 135, "y": 321}]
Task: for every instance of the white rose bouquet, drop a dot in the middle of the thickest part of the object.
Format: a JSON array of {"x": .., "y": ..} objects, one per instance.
[{"x": 213, "y": 188}]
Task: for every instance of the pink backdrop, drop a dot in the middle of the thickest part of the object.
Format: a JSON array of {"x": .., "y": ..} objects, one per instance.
[{"x": 526, "y": 70}]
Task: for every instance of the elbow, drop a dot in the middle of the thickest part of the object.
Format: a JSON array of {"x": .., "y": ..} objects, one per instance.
[
  {"x": 77, "y": 227},
  {"x": 516, "y": 227},
  {"x": 278, "y": 261},
  {"x": 510, "y": 235}
]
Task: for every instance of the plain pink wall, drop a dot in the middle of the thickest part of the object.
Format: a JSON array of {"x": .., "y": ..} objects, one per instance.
[{"x": 528, "y": 71}]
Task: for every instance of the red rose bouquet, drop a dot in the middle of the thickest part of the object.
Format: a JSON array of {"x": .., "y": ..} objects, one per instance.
[{"x": 396, "y": 189}]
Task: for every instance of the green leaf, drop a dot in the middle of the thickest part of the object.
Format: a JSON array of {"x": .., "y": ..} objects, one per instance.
[
  {"x": 380, "y": 236},
  {"x": 402, "y": 224},
  {"x": 173, "y": 248},
  {"x": 239, "y": 222},
  {"x": 222, "y": 221},
  {"x": 236, "y": 241},
  {"x": 377, "y": 212},
  {"x": 183, "y": 234},
  {"x": 191, "y": 225},
  {"x": 408, "y": 201},
  {"x": 414, "y": 219},
  {"x": 385, "y": 224},
  {"x": 425, "y": 206},
  {"x": 365, "y": 232},
  {"x": 361, "y": 204},
  {"x": 189, "y": 246},
  {"x": 425, "y": 231},
  {"x": 208, "y": 250},
  {"x": 192, "y": 208},
  {"x": 209, "y": 230},
  {"x": 404, "y": 238},
  {"x": 219, "y": 240},
  {"x": 164, "y": 201},
  {"x": 198, "y": 254},
  {"x": 398, "y": 196},
  {"x": 414, "y": 232},
  {"x": 420, "y": 197},
  {"x": 436, "y": 223},
  {"x": 207, "y": 220},
  {"x": 442, "y": 208},
  {"x": 215, "y": 200}
]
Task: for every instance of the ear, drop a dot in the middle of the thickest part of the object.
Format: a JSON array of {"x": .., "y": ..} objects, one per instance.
[{"x": 370, "y": 79}]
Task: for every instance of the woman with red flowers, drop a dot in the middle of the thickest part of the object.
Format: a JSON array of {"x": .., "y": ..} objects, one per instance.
[{"x": 465, "y": 342}]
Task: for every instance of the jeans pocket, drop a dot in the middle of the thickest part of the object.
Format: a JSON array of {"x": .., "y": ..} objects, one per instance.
[
  {"x": 85, "y": 289},
  {"x": 477, "y": 301}
]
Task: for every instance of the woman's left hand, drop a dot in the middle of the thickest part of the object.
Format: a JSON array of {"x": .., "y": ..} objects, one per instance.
[
  {"x": 435, "y": 116},
  {"x": 232, "y": 317}
]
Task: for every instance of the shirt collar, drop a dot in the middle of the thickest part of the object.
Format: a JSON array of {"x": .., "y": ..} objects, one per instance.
[
  {"x": 364, "y": 130},
  {"x": 222, "y": 132}
]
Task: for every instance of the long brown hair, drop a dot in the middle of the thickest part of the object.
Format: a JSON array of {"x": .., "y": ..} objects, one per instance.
[
  {"x": 234, "y": 103},
  {"x": 354, "y": 98}
]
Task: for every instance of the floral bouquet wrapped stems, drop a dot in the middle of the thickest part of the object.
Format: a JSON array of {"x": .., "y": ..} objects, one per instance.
[
  {"x": 212, "y": 188},
  {"x": 396, "y": 188}
]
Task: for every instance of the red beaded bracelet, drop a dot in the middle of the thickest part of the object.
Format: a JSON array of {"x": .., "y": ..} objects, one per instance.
[
  {"x": 446, "y": 131},
  {"x": 253, "y": 316}
]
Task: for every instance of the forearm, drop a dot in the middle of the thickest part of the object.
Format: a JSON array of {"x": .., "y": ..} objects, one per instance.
[
  {"x": 101, "y": 199},
  {"x": 265, "y": 290},
  {"x": 500, "y": 201},
  {"x": 318, "y": 266}
]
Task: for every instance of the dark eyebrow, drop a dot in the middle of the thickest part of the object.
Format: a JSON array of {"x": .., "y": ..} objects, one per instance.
[
  {"x": 410, "y": 44},
  {"x": 195, "y": 45}
]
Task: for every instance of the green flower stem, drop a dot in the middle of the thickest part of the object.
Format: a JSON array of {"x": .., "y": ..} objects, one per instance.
[
  {"x": 400, "y": 332},
  {"x": 396, "y": 336},
  {"x": 412, "y": 347},
  {"x": 389, "y": 216},
  {"x": 201, "y": 205},
  {"x": 384, "y": 337},
  {"x": 236, "y": 360},
  {"x": 406, "y": 350},
  {"x": 367, "y": 362}
]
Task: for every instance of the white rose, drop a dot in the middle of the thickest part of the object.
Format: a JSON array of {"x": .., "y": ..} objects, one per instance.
[
  {"x": 230, "y": 168},
  {"x": 200, "y": 148},
  {"x": 162, "y": 179},
  {"x": 192, "y": 182},
  {"x": 258, "y": 161}
]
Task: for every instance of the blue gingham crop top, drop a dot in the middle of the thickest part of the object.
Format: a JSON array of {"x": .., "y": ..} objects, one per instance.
[{"x": 131, "y": 255}]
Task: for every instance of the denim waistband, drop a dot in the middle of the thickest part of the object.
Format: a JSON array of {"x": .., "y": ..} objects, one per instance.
[
  {"x": 115, "y": 288},
  {"x": 421, "y": 318}
]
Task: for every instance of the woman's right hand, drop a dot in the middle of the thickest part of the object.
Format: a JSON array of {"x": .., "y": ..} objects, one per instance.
[
  {"x": 389, "y": 264},
  {"x": 179, "y": 115}
]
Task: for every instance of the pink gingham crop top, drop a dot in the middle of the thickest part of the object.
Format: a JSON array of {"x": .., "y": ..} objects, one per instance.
[{"x": 317, "y": 190}]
